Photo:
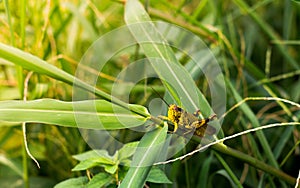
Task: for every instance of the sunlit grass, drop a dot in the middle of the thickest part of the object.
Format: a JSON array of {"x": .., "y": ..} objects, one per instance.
[{"x": 256, "y": 45}]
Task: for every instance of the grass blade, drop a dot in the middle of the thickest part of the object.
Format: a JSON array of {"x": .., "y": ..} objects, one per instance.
[
  {"x": 145, "y": 156},
  {"x": 268, "y": 30},
  {"x": 81, "y": 19},
  {"x": 231, "y": 175},
  {"x": 204, "y": 172},
  {"x": 97, "y": 114},
  {"x": 161, "y": 57},
  {"x": 33, "y": 63},
  {"x": 248, "y": 112}
]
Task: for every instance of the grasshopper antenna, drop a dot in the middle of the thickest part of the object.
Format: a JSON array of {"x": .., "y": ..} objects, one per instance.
[{"x": 160, "y": 96}]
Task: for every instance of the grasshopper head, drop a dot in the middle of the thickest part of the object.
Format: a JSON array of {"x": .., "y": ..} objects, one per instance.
[{"x": 174, "y": 113}]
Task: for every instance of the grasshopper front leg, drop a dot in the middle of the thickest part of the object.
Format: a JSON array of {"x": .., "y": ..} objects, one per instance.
[{"x": 168, "y": 119}]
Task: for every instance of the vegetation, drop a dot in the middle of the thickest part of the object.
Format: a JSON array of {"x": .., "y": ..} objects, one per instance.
[{"x": 66, "y": 82}]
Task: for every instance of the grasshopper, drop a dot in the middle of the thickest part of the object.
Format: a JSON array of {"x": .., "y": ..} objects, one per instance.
[
  {"x": 184, "y": 120},
  {"x": 191, "y": 122}
]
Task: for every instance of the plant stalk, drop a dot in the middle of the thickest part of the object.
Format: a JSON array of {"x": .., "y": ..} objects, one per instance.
[{"x": 222, "y": 148}]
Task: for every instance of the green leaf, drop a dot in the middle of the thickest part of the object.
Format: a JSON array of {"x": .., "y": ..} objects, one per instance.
[
  {"x": 144, "y": 157},
  {"x": 229, "y": 173},
  {"x": 268, "y": 30},
  {"x": 204, "y": 173},
  {"x": 92, "y": 162},
  {"x": 255, "y": 123},
  {"x": 100, "y": 180},
  {"x": 127, "y": 150},
  {"x": 91, "y": 154},
  {"x": 33, "y": 63},
  {"x": 111, "y": 168},
  {"x": 96, "y": 114},
  {"x": 125, "y": 162},
  {"x": 37, "y": 65},
  {"x": 156, "y": 175},
  {"x": 174, "y": 76},
  {"x": 227, "y": 176},
  {"x": 79, "y": 182}
]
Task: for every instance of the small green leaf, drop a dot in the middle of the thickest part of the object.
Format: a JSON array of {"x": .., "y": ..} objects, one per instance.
[
  {"x": 111, "y": 168},
  {"x": 127, "y": 150},
  {"x": 91, "y": 154},
  {"x": 92, "y": 162},
  {"x": 156, "y": 175},
  {"x": 125, "y": 162},
  {"x": 100, "y": 180},
  {"x": 79, "y": 182}
]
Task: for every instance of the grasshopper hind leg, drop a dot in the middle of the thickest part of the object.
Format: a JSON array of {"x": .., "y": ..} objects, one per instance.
[{"x": 202, "y": 127}]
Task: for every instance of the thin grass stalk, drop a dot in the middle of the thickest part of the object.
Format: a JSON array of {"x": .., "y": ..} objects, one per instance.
[
  {"x": 219, "y": 146},
  {"x": 21, "y": 87},
  {"x": 255, "y": 123},
  {"x": 268, "y": 30},
  {"x": 228, "y": 170},
  {"x": 19, "y": 78}
]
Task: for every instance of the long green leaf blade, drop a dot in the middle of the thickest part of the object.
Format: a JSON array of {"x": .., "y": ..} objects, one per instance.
[
  {"x": 252, "y": 118},
  {"x": 36, "y": 64},
  {"x": 91, "y": 114},
  {"x": 145, "y": 156},
  {"x": 172, "y": 73}
]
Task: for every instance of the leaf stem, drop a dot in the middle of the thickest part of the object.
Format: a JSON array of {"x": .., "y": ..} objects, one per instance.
[{"x": 254, "y": 162}]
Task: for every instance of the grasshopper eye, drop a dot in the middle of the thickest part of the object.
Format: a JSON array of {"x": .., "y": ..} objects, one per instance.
[{"x": 178, "y": 109}]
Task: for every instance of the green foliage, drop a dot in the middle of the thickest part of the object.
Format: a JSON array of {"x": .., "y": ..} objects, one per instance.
[
  {"x": 73, "y": 182},
  {"x": 111, "y": 168},
  {"x": 148, "y": 152},
  {"x": 256, "y": 44}
]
